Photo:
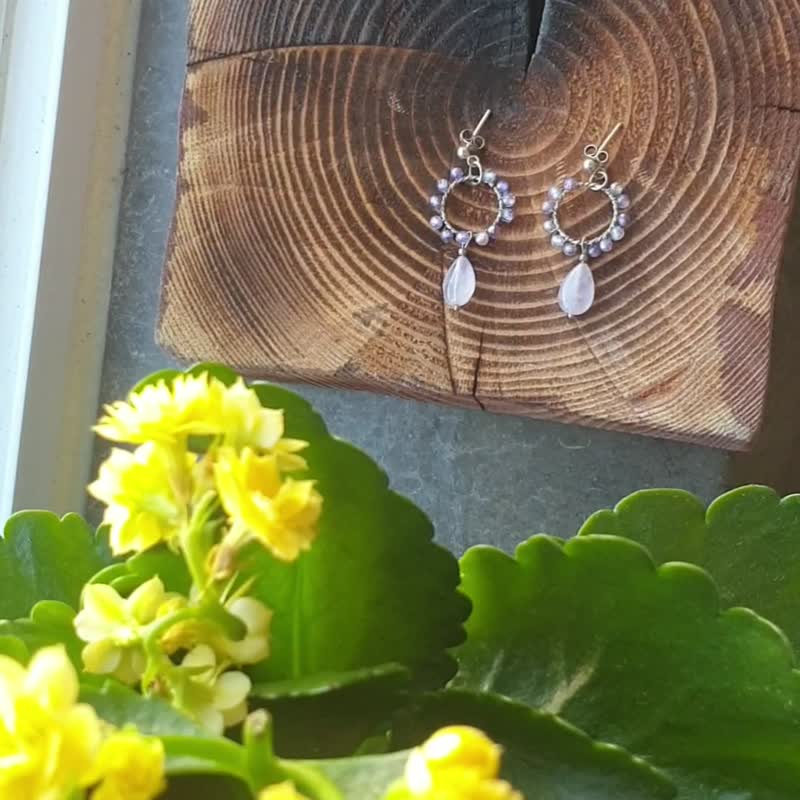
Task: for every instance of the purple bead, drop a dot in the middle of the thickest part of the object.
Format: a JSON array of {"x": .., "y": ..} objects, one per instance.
[
  {"x": 456, "y": 173},
  {"x": 594, "y": 251},
  {"x": 506, "y": 215},
  {"x": 615, "y": 189},
  {"x": 508, "y": 200},
  {"x": 557, "y": 240},
  {"x": 462, "y": 237},
  {"x": 489, "y": 177},
  {"x": 549, "y": 226},
  {"x": 482, "y": 238},
  {"x": 569, "y": 249},
  {"x": 623, "y": 219},
  {"x": 502, "y": 187},
  {"x": 548, "y": 206},
  {"x": 442, "y": 184},
  {"x": 606, "y": 245},
  {"x": 447, "y": 235},
  {"x": 570, "y": 184},
  {"x": 436, "y": 200},
  {"x": 617, "y": 233},
  {"x": 554, "y": 192},
  {"x": 623, "y": 201},
  {"x": 436, "y": 222}
]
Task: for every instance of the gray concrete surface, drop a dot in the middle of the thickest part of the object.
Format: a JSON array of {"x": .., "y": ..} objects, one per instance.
[{"x": 481, "y": 478}]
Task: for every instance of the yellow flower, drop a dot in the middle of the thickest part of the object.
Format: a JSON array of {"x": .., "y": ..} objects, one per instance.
[
  {"x": 254, "y": 646},
  {"x": 461, "y": 748},
  {"x": 112, "y": 627},
  {"x": 456, "y": 763},
  {"x": 129, "y": 767},
  {"x": 243, "y": 421},
  {"x": 200, "y": 406},
  {"x": 145, "y": 493},
  {"x": 216, "y": 699},
  {"x": 280, "y": 513},
  {"x": 163, "y": 412},
  {"x": 286, "y": 451},
  {"x": 281, "y": 791},
  {"x": 48, "y": 742}
]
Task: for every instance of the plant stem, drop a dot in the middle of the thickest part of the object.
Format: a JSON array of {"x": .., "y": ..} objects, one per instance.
[
  {"x": 195, "y": 541},
  {"x": 309, "y": 780},
  {"x": 158, "y": 662}
]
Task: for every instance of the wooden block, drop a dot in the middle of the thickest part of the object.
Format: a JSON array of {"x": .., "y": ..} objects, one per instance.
[{"x": 301, "y": 248}]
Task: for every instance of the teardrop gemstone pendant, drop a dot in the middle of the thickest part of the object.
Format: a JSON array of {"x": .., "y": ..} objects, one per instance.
[
  {"x": 458, "y": 285},
  {"x": 576, "y": 294}
]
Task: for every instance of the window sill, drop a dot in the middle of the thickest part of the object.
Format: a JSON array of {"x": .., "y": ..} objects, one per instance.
[{"x": 66, "y": 72}]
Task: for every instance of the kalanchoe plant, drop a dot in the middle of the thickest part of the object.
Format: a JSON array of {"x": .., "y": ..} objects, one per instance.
[
  {"x": 260, "y": 618},
  {"x": 211, "y": 472}
]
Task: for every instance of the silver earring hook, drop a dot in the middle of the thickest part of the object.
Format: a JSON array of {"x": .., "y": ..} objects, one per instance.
[
  {"x": 486, "y": 115},
  {"x": 470, "y": 139},
  {"x": 597, "y": 158}
]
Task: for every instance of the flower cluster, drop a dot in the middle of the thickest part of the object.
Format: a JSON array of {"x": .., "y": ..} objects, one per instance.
[
  {"x": 456, "y": 763},
  {"x": 52, "y": 747},
  {"x": 195, "y": 435},
  {"x": 211, "y": 471}
]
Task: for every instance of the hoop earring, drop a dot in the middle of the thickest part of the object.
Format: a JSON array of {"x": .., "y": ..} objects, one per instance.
[
  {"x": 458, "y": 285},
  {"x": 576, "y": 294}
]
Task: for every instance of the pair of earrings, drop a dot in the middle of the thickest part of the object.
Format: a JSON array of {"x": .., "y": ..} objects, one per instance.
[{"x": 576, "y": 293}]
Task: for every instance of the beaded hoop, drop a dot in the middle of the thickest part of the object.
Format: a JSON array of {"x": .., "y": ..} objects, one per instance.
[
  {"x": 458, "y": 285},
  {"x": 576, "y": 293},
  {"x": 596, "y": 245},
  {"x": 504, "y": 213}
]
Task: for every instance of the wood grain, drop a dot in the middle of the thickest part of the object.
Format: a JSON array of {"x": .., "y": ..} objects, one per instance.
[
  {"x": 301, "y": 250},
  {"x": 497, "y": 32}
]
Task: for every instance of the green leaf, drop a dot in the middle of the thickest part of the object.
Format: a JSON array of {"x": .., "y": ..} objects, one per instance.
[
  {"x": 358, "y": 598},
  {"x": 392, "y": 675},
  {"x": 330, "y": 715},
  {"x": 13, "y": 647},
  {"x": 122, "y": 706},
  {"x": 748, "y": 540},
  {"x": 139, "y": 568},
  {"x": 43, "y": 557},
  {"x": 50, "y": 623},
  {"x": 543, "y": 756},
  {"x": 638, "y": 656},
  {"x": 364, "y": 777},
  {"x": 110, "y": 573},
  {"x": 126, "y": 584},
  {"x": 169, "y": 566}
]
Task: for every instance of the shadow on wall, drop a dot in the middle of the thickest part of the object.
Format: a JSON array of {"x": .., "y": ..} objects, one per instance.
[{"x": 775, "y": 457}]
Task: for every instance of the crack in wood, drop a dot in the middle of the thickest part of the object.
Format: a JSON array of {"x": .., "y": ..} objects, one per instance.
[
  {"x": 536, "y": 15},
  {"x": 475, "y": 374}
]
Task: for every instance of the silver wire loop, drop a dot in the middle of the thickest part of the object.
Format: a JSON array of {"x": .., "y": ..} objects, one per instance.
[
  {"x": 475, "y": 173},
  {"x": 598, "y": 180},
  {"x": 584, "y": 242}
]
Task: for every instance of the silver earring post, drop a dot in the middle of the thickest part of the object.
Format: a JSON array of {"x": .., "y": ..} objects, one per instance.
[
  {"x": 576, "y": 294},
  {"x": 458, "y": 285}
]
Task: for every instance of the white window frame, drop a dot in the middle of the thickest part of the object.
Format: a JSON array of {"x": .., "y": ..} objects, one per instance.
[{"x": 66, "y": 74}]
